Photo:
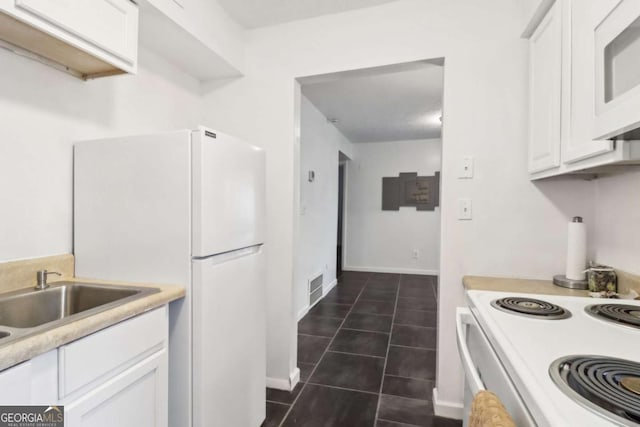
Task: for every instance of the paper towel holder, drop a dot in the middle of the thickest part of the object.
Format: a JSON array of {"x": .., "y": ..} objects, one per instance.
[{"x": 563, "y": 281}]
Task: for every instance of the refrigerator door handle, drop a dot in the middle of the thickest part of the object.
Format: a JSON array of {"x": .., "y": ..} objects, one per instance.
[{"x": 231, "y": 255}]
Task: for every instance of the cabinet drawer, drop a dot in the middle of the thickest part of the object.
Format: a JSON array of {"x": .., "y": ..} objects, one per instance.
[
  {"x": 111, "y": 25},
  {"x": 111, "y": 351}
]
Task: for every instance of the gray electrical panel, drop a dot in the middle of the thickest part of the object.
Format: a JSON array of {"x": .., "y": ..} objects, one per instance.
[{"x": 409, "y": 189}]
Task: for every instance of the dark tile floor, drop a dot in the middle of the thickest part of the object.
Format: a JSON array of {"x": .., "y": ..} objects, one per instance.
[{"x": 367, "y": 357}]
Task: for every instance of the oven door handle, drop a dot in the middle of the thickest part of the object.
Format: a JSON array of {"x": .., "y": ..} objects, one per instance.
[{"x": 463, "y": 319}]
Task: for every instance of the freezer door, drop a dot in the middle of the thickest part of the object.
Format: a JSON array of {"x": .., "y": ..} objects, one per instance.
[
  {"x": 229, "y": 356},
  {"x": 228, "y": 193}
]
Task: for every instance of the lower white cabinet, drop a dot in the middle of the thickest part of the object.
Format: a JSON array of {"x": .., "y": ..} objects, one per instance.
[
  {"x": 114, "y": 377},
  {"x": 14, "y": 385},
  {"x": 24, "y": 385},
  {"x": 135, "y": 398},
  {"x": 117, "y": 376},
  {"x": 33, "y": 382}
]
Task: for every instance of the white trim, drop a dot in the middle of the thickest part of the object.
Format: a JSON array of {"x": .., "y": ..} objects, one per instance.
[
  {"x": 278, "y": 383},
  {"x": 304, "y": 311},
  {"x": 392, "y": 270},
  {"x": 345, "y": 194},
  {"x": 327, "y": 289},
  {"x": 294, "y": 378},
  {"x": 446, "y": 409},
  {"x": 285, "y": 384}
]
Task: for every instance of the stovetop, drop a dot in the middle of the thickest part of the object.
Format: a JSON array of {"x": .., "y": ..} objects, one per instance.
[{"x": 528, "y": 346}]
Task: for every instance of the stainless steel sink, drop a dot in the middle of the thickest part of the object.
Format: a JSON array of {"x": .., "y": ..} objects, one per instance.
[{"x": 26, "y": 312}]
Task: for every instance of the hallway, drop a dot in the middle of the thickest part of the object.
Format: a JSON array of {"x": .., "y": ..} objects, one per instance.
[{"x": 367, "y": 355}]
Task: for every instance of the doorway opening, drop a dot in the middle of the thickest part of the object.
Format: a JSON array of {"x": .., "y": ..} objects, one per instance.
[
  {"x": 341, "y": 213},
  {"x": 367, "y": 226}
]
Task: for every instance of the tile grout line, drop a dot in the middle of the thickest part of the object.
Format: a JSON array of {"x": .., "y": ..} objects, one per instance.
[
  {"x": 386, "y": 358},
  {"x": 344, "y": 388},
  {"x": 323, "y": 354},
  {"x": 355, "y": 354},
  {"x": 413, "y": 347},
  {"x": 412, "y": 378},
  {"x": 278, "y": 403},
  {"x": 399, "y": 424},
  {"x": 365, "y": 330},
  {"x": 413, "y": 326}
]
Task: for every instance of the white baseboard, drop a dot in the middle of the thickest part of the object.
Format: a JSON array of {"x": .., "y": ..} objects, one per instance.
[
  {"x": 445, "y": 409},
  {"x": 392, "y": 270},
  {"x": 326, "y": 289},
  {"x": 294, "y": 378},
  {"x": 303, "y": 312},
  {"x": 285, "y": 384}
]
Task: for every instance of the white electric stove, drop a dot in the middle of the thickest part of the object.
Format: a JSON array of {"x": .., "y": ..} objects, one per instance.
[{"x": 513, "y": 344}]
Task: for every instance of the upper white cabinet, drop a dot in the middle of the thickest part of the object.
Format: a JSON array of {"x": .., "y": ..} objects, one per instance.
[
  {"x": 89, "y": 38},
  {"x": 564, "y": 115},
  {"x": 197, "y": 36},
  {"x": 545, "y": 78},
  {"x": 617, "y": 64},
  {"x": 580, "y": 143}
]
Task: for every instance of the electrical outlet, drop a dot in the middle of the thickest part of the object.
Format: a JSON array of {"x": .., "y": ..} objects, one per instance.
[
  {"x": 464, "y": 209},
  {"x": 415, "y": 254}
]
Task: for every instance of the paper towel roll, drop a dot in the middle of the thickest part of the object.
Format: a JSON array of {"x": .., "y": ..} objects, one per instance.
[{"x": 576, "y": 250}]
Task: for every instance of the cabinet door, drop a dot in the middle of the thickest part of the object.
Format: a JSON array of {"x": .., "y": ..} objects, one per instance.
[
  {"x": 545, "y": 97},
  {"x": 617, "y": 48},
  {"x": 580, "y": 145},
  {"x": 33, "y": 382},
  {"x": 135, "y": 398},
  {"x": 15, "y": 385},
  {"x": 111, "y": 25}
]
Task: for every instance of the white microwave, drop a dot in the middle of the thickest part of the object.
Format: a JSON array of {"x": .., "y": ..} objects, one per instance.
[{"x": 617, "y": 71}]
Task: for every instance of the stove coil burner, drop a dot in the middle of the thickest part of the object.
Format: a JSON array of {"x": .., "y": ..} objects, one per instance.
[
  {"x": 531, "y": 307},
  {"x": 605, "y": 385},
  {"x": 622, "y": 314}
]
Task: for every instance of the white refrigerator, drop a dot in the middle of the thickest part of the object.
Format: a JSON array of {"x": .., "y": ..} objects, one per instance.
[{"x": 185, "y": 207}]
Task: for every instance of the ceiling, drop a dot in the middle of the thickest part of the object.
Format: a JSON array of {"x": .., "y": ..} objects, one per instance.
[
  {"x": 395, "y": 103},
  {"x": 261, "y": 13}
]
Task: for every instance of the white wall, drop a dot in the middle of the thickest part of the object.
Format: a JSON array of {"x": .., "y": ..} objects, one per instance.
[
  {"x": 519, "y": 228},
  {"x": 320, "y": 143},
  {"x": 380, "y": 240},
  {"x": 44, "y": 112},
  {"x": 617, "y": 221}
]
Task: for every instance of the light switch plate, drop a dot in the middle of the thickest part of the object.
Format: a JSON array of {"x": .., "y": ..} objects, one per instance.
[
  {"x": 464, "y": 209},
  {"x": 466, "y": 168}
]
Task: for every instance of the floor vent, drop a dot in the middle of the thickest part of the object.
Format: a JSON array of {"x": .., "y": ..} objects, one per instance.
[{"x": 315, "y": 289}]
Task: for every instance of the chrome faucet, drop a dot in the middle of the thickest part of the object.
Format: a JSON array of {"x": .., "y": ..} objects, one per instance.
[{"x": 42, "y": 278}]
